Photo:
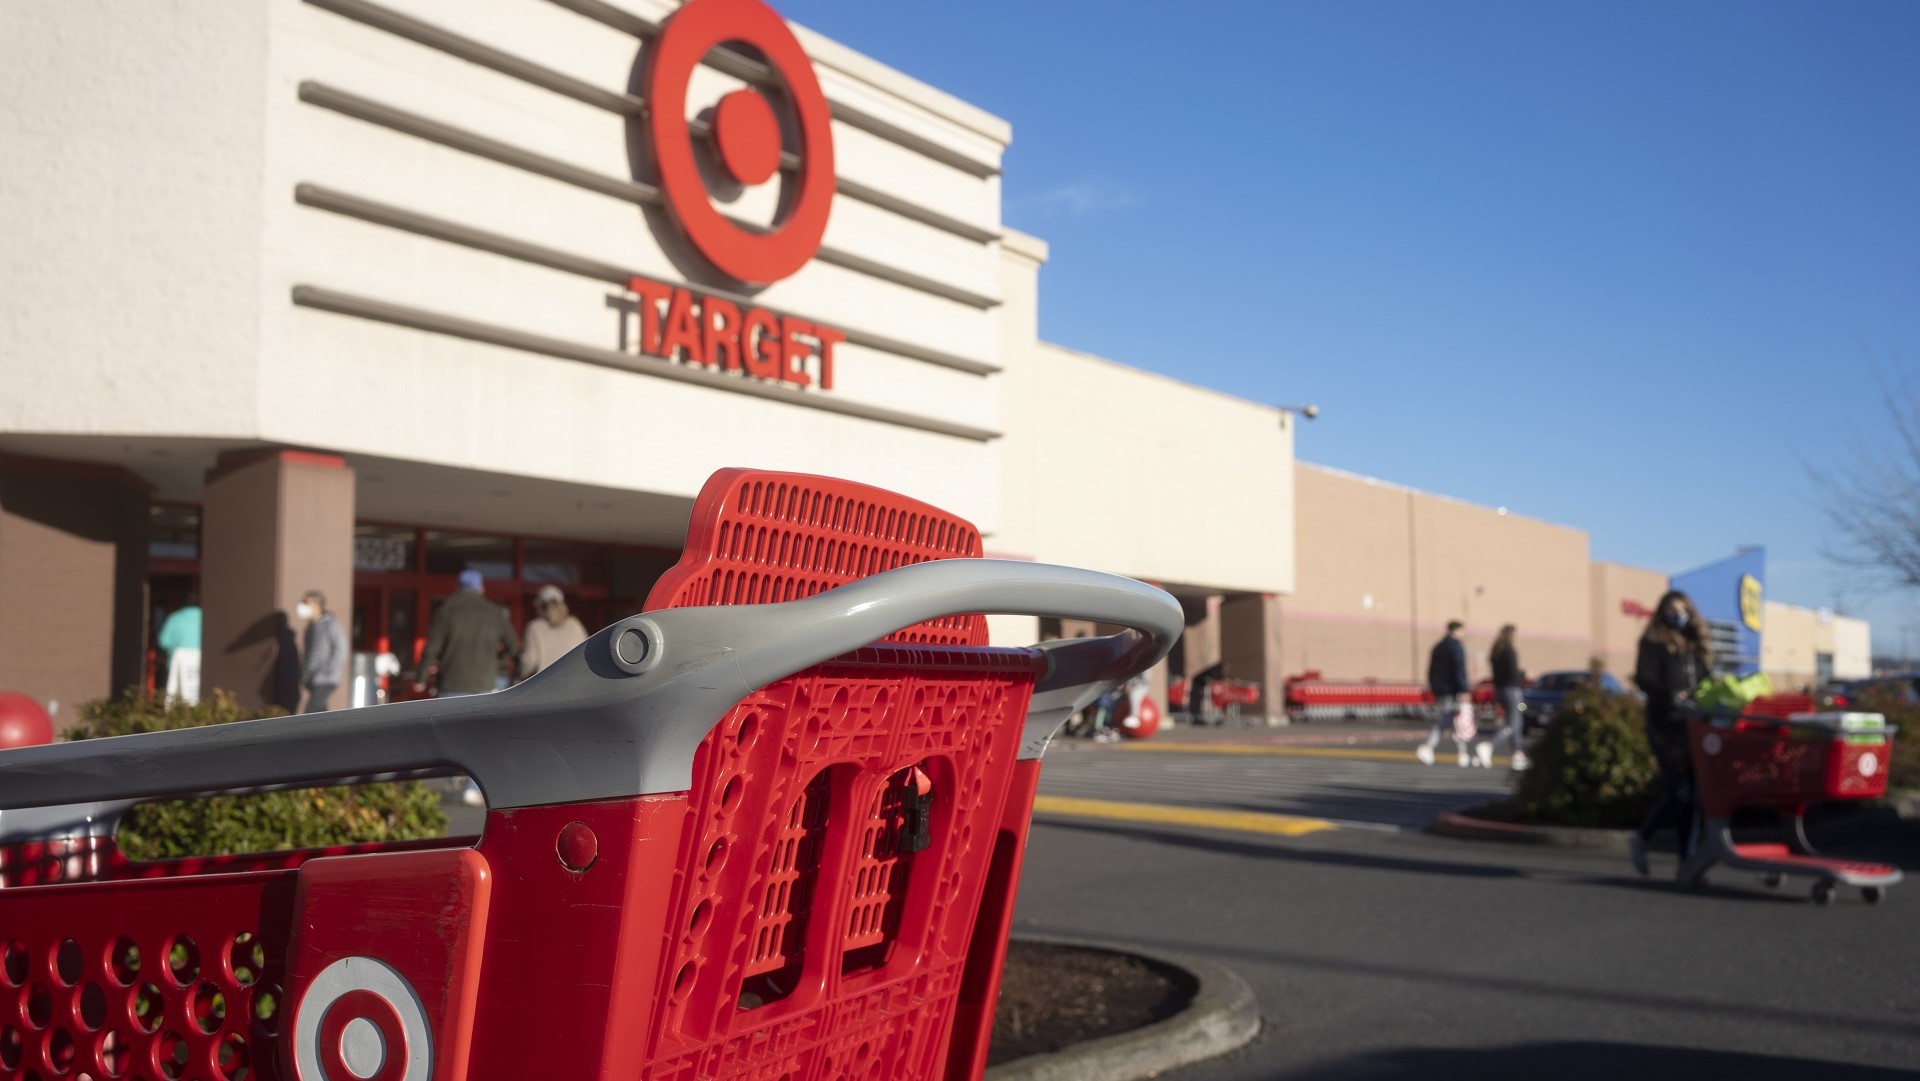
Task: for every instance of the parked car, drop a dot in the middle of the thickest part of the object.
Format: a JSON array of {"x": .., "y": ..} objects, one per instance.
[
  {"x": 1857, "y": 693},
  {"x": 1550, "y": 689},
  {"x": 1486, "y": 703}
]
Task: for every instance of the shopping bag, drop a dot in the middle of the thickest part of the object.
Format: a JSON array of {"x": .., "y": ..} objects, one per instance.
[
  {"x": 1732, "y": 692},
  {"x": 1464, "y": 728}
]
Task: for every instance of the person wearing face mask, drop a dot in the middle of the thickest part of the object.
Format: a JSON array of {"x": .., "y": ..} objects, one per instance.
[
  {"x": 1675, "y": 658},
  {"x": 326, "y": 651},
  {"x": 550, "y": 634}
]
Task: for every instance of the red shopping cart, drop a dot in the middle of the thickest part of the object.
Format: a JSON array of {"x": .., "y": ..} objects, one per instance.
[
  {"x": 1224, "y": 699},
  {"x": 1778, "y": 753},
  {"x": 768, "y": 829}
]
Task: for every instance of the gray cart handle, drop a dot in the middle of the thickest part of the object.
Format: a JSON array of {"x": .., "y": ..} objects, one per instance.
[{"x": 620, "y": 715}]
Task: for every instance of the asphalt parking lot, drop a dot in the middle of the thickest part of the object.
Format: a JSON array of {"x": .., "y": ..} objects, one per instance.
[{"x": 1378, "y": 951}]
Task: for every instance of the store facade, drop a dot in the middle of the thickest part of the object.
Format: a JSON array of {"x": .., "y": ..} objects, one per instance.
[
  {"x": 414, "y": 286},
  {"x": 354, "y": 295}
]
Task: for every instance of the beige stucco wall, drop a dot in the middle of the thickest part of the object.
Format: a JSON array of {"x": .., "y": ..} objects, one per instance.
[
  {"x": 1382, "y": 568},
  {"x": 1852, "y": 648},
  {"x": 165, "y": 306},
  {"x": 130, "y": 216},
  {"x": 1096, "y": 451},
  {"x": 1116, "y": 453},
  {"x": 1616, "y": 630},
  {"x": 1794, "y": 637}
]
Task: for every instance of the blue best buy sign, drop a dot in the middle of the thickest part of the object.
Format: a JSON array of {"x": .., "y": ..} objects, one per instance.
[{"x": 1730, "y": 595}]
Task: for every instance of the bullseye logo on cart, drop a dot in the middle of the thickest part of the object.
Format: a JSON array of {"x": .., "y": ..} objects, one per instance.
[{"x": 679, "y": 325}]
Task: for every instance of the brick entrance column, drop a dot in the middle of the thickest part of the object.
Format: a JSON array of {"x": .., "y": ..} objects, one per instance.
[
  {"x": 274, "y": 524},
  {"x": 73, "y": 582},
  {"x": 1250, "y": 642}
]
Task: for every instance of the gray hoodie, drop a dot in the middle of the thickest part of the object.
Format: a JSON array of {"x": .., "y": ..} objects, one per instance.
[{"x": 326, "y": 653}]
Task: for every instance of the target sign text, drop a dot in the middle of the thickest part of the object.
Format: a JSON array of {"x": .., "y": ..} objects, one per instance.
[{"x": 674, "y": 323}]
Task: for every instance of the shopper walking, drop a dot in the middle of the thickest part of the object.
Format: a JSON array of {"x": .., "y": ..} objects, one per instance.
[
  {"x": 325, "y": 657},
  {"x": 1200, "y": 694},
  {"x": 1504, "y": 659},
  {"x": 550, "y": 633},
  {"x": 465, "y": 643},
  {"x": 1447, "y": 679},
  {"x": 1675, "y": 658},
  {"x": 180, "y": 639}
]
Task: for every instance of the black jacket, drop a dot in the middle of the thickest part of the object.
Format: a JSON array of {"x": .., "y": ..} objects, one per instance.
[
  {"x": 1665, "y": 677},
  {"x": 1506, "y": 667},
  {"x": 1447, "y": 667}
]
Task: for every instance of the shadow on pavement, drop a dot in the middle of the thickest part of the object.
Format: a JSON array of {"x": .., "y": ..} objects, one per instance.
[
  {"x": 1401, "y": 807},
  {"x": 1707, "y": 1010},
  {"x": 1204, "y": 842},
  {"x": 1896, "y": 841},
  {"x": 1740, "y": 886},
  {"x": 1578, "y": 1061}
]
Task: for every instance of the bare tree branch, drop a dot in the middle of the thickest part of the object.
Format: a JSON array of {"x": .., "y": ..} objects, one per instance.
[{"x": 1873, "y": 502}]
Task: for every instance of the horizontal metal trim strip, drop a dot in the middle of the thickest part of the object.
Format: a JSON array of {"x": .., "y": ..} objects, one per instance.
[
  {"x": 412, "y": 221},
  {"x": 632, "y": 191},
  {"x": 380, "y": 311},
  {"x": 741, "y": 67},
  {"x": 464, "y": 48}
]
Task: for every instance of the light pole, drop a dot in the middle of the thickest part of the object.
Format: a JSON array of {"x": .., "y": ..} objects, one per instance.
[{"x": 1308, "y": 411}]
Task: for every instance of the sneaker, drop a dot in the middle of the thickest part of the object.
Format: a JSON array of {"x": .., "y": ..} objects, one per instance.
[
  {"x": 471, "y": 796},
  {"x": 1637, "y": 851},
  {"x": 1483, "y": 754},
  {"x": 1466, "y": 757},
  {"x": 1519, "y": 761},
  {"x": 1424, "y": 753}
]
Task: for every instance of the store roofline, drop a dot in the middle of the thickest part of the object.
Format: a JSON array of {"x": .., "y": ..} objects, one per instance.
[
  {"x": 859, "y": 66},
  {"x": 1411, "y": 490},
  {"x": 1183, "y": 384}
]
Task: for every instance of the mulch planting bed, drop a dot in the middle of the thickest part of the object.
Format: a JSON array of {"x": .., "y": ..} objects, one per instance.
[{"x": 1053, "y": 996}]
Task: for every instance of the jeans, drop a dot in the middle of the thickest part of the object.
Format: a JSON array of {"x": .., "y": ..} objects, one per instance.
[
  {"x": 1676, "y": 806},
  {"x": 1444, "y": 707},
  {"x": 1513, "y": 724},
  {"x": 317, "y": 698}
]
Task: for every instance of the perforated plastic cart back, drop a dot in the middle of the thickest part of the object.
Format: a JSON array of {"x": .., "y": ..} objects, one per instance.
[{"x": 839, "y": 949}]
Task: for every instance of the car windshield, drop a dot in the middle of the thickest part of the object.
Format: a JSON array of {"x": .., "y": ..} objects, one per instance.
[{"x": 1560, "y": 681}]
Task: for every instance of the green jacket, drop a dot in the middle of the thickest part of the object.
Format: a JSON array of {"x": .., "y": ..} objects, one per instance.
[{"x": 468, "y": 635}]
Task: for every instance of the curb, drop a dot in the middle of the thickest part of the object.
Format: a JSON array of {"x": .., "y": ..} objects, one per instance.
[
  {"x": 1459, "y": 825},
  {"x": 1223, "y": 1016}
]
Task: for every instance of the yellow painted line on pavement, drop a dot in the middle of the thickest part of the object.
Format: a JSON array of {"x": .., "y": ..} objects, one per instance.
[
  {"x": 1165, "y": 815},
  {"x": 1363, "y": 754}
]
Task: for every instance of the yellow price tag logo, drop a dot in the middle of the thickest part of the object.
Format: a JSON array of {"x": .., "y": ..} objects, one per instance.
[{"x": 1750, "y": 602}]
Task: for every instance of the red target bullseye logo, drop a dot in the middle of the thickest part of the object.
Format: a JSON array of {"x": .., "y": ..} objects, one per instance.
[
  {"x": 746, "y": 134},
  {"x": 360, "y": 1020}
]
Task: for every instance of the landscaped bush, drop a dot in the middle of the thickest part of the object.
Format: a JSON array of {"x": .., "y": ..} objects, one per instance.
[
  {"x": 1591, "y": 767},
  {"x": 1904, "y": 772},
  {"x": 260, "y": 822}
]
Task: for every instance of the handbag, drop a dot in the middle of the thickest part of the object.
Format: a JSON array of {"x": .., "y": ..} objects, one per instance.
[{"x": 1464, "y": 726}]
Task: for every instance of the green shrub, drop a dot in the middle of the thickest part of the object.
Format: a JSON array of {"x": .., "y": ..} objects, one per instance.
[
  {"x": 259, "y": 822},
  {"x": 1904, "y": 771},
  {"x": 1591, "y": 767}
]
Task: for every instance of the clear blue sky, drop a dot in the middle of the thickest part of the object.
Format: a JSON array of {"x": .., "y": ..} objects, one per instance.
[{"x": 1618, "y": 265}]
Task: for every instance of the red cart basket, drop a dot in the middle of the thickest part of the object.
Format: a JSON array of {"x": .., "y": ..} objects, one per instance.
[
  {"x": 1778, "y": 753},
  {"x": 769, "y": 829}
]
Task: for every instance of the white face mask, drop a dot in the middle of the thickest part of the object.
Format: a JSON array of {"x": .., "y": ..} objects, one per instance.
[{"x": 303, "y": 610}]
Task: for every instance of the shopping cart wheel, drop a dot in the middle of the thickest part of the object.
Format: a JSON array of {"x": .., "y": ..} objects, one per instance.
[
  {"x": 1870, "y": 894},
  {"x": 1772, "y": 880},
  {"x": 1823, "y": 893}
]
